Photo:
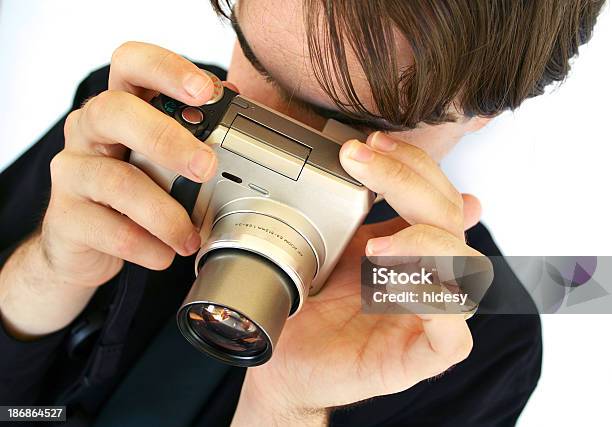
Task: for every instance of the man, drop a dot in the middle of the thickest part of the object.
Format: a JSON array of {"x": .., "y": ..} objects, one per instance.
[{"x": 84, "y": 328}]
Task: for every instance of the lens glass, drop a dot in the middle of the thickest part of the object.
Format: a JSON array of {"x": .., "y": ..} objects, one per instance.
[{"x": 226, "y": 329}]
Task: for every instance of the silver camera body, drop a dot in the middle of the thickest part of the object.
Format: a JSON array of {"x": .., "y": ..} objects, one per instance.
[{"x": 274, "y": 220}]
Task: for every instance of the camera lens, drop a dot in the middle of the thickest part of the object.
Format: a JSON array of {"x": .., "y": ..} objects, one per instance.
[
  {"x": 237, "y": 307},
  {"x": 226, "y": 329}
]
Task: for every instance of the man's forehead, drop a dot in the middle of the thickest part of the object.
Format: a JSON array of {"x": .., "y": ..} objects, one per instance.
[{"x": 276, "y": 33}]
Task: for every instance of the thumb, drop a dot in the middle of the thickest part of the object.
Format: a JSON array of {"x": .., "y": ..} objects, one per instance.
[{"x": 472, "y": 210}]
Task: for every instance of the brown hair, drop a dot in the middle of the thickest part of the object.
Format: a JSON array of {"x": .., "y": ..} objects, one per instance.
[{"x": 480, "y": 56}]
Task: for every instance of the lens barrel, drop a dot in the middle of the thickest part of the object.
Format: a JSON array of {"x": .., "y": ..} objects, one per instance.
[{"x": 237, "y": 307}]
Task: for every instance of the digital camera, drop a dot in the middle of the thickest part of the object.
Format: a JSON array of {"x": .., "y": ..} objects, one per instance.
[{"x": 274, "y": 221}]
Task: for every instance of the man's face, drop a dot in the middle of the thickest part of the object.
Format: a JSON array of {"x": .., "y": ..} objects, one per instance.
[{"x": 271, "y": 65}]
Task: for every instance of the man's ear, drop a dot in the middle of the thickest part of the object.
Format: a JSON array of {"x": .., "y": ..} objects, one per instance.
[{"x": 477, "y": 123}]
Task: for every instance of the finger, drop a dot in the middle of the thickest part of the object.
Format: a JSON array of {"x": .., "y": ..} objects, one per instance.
[
  {"x": 382, "y": 228},
  {"x": 128, "y": 190},
  {"x": 472, "y": 211},
  {"x": 143, "y": 68},
  {"x": 446, "y": 341},
  {"x": 417, "y": 160},
  {"x": 231, "y": 86},
  {"x": 75, "y": 141},
  {"x": 414, "y": 198},
  {"x": 394, "y": 225},
  {"x": 419, "y": 240},
  {"x": 122, "y": 118},
  {"x": 107, "y": 231}
]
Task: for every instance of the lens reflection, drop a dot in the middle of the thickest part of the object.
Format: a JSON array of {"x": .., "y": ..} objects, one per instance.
[{"x": 226, "y": 329}]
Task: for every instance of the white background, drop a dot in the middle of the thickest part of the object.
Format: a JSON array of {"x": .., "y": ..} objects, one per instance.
[{"x": 542, "y": 173}]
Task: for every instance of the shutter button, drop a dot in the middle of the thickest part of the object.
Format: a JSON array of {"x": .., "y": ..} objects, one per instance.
[{"x": 192, "y": 115}]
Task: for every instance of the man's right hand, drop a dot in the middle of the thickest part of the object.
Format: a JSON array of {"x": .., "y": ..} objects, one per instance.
[{"x": 103, "y": 210}]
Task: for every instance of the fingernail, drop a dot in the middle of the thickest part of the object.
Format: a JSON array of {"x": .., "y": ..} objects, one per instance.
[
  {"x": 197, "y": 84},
  {"x": 201, "y": 163},
  {"x": 192, "y": 243},
  {"x": 378, "y": 244},
  {"x": 382, "y": 142},
  {"x": 360, "y": 152}
]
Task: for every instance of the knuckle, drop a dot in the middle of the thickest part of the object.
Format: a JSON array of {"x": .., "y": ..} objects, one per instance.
[
  {"x": 454, "y": 215},
  {"x": 57, "y": 167},
  {"x": 420, "y": 158},
  {"x": 161, "y": 135},
  {"x": 125, "y": 240},
  {"x": 397, "y": 172},
  {"x": 57, "y": 211},
  {"x": 123, "y": 50},
  {"x": 445, "y": 243},
  {"x": 430, "y": 238},
  {"x": 120, "y": 179},
  {"x": 69, "y": 172},
  {"x": 90, "y": 170},
  {"x": 100, "y": 108},
  {"x": 166, "y": 58},
  {"x": 96, "y": 109},
  {"x": 70, "y": 123},
  {"x": 420, "y": 234},
  {"x": 165, "y": 220}
]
